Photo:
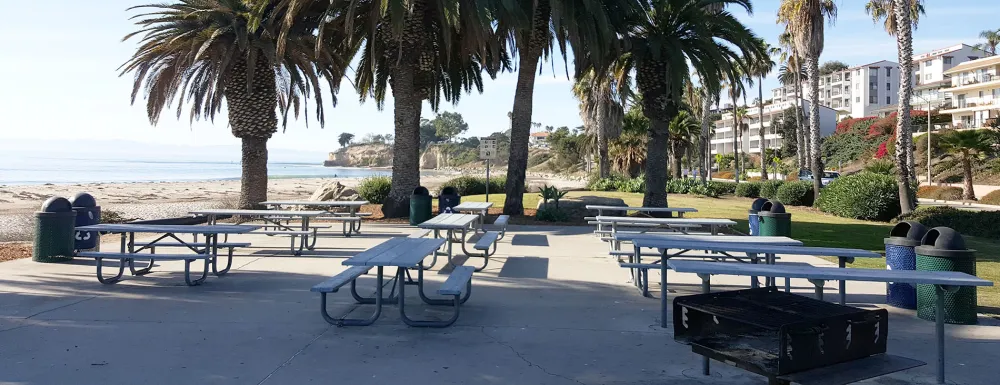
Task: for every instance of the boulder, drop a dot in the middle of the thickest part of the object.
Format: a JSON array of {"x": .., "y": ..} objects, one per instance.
[
  {"x": 334, "y": 191},
  {"x": 576, "y": 208}
]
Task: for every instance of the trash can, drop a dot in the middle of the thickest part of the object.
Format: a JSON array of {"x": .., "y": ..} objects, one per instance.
[
  {"x": 87, "y": 213},
  {"x": 900, "y": 255},
  {"x": 943, "y": 249},
  {"x": 449, "y": 198},
  {"x": 774, "y": 221},
  {"x": 54, "y": 231},
  {"x": 420, "y": 206},
  {"x": 753, "y": 218}
]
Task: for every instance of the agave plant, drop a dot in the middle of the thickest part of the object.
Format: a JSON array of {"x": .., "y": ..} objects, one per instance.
[{"x": 551, "y": 193}]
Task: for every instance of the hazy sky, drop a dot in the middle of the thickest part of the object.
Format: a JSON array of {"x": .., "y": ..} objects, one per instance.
[{"x": 58, "y": 76}]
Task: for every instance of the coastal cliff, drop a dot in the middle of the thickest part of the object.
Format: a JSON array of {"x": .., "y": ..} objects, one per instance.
[{"x": 362, "y": 155}]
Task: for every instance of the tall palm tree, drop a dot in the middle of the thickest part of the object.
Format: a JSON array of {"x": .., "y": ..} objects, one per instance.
[
  {"x": 992, "y": 38},
  {"x": 739, "y": 115},
  {"x": 423, "y": 50},
  {"x": 681, "y": 129},
  {"x": 901, "y": 25},
  {"x": 967, "y": 146},
  {"x": 792, "y": 59},
  {"x": 704, "y": 161},
  {"x": 535, "y": 29},
  {"x": 761, "y": 68},
  {"x": 602, "y": 108},
  {"x": 206, "y": 52},
  {"x": 804, "y": 19},
  {"x": 702, "y": 38}
]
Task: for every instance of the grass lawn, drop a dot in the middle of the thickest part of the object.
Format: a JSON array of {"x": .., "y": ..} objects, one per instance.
[{"x": 810, "y": 226}]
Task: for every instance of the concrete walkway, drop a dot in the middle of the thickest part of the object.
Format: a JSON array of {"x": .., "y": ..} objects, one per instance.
[{"x": 553, "y": 309}]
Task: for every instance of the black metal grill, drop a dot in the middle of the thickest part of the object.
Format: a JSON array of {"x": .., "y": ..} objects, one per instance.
[{"x": 773, "y": 333}]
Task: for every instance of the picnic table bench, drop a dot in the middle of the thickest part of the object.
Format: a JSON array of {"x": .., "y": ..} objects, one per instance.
[
  {"x": 351, "y": 220},
  {"x": 405, "y": 254},
  {"x": 476, "y": 208},
  {"x": 272, "y": 219},
  {"x": 943, "y": 281},
  {"x": 208, "y": 251}
]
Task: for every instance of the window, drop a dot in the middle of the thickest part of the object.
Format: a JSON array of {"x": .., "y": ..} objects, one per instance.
[
  {"x": 887, "y": 100},
  {"x": 927, "y": 64},
  {"x": 888, "y": 71},
  {"x": 927, "y": 77},
  {"x": 996, "y": 94},
  {"x": 857, "y": 99},
  {"x": 873, "y": 99},
  {"x": 887, "y": 87},
  {"x": 961, "y": 101},
  {"x": 947, "y": 60},
  {"x": 973, "y": 57}
]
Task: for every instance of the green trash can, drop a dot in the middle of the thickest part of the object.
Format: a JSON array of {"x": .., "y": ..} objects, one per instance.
[
  {"x": 774, "y": 221},
  {"x": 943, "y": 249},
  {"x": 54, "y": 230},
  {"x": 420, "y": 206}
]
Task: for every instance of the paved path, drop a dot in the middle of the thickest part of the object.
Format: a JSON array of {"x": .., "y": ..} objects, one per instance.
[{"x": 553, "y": 310}]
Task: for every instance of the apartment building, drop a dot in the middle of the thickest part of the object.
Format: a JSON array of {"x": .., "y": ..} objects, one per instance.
[
  {"x": 722, "y": 139},
  {"x": 857, "y": 91},
  {"x": 975, "y": 89},
  {"x": 929, "y": 74}
]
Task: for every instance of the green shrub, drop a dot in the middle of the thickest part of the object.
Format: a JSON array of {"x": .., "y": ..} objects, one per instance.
[
  {"x": 111, "y": 216},
  {"x": 748, "y": 190},
  {"x": 798, "y": 193},
  {"x": 472, "y": 185},
  {"x": 984, "y": 224},
  {"x": 631, "y": 185},
  {"x": 551, "y": 214},
  {"x": 769, "y": 189},
  {"x": 993, "y": 198},
  {"x": 724, "y": 188},
  {"x": 681, "y": 186},
  {"x": 498, "y": 184},
  {"x": 885, "y": 167},
  {"x": 375, "y": 189},
  {"x": 863, "y": 195},
  {"x": 602, "y": 184},
  {"x": 706, "y": 190}
]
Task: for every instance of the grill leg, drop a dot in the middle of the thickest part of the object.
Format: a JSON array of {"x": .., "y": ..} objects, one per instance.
[
  {"x": 843, "y": 284},
  {"x": 706, "y": 287},
  {"x": 663, "y": 289},
  {"x": 818, "y": 283}
]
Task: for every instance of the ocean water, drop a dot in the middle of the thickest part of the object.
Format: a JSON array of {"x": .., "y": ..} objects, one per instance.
[{"x": 22, "y": 170}]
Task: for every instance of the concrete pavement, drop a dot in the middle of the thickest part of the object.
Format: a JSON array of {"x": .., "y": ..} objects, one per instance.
[{"x": 551, "y": 309}]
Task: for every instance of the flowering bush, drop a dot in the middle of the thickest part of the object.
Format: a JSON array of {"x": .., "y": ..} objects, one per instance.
[
  {"x": 858, "y": 124},
  {"x": 882, "y": 151}
]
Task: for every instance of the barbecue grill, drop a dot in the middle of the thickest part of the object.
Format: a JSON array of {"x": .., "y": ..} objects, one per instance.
[{"x": 778, "y": 334}]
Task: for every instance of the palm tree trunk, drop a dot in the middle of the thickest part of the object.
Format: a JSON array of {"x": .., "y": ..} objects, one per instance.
[
  {"x": 405, "y": 150},
  {"x": 736, "y": 149},
  {"x": 760, "y": 130},
  {"x": 253, "y": 181},
  {"x": 688, "y": 154},
  {"x": 904, "y": 150},
  {"x": 704, "y": 161},
  {"x": 601, "y": 121},
  {"x": 812, "y": 70},
  {"x": 656, "y": 157},
  {"x": 675, "y": 159},
  {"x": 252, "y": 118},
  {"x": 530, "y": 46},
  {"x": 969, "y": 193}
]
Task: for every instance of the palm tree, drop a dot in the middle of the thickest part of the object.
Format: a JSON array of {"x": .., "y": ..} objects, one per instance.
[
  {"x": 602, "y": 110},
  {"x": 992, "y": 38},
  {"x": 628, "y": 151},
  {"x": 761, "y": 68},
  {"x": 702, "y": 37},
  {"x": 204, "y": 52},
  {"x": 804, "y": 19},
  {"x": 681, "y": 128},
  {"x": 739, "y": 115},
  {"x": 534, "y": 29},
  {"x": 901, "y": 25},
  {"x": 966, "y": 146},
  {"x": 792, "y": 59},
  {"x": 423, "y": 50}
]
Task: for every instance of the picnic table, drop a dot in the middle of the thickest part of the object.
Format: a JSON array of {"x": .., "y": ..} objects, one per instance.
[
  {"x": 350, "y": 225},
  {"x": 207, "y": 251},
  {"x": 943, "y": 281},
  {"x": 647, "y": 210},
  {"x": 681, "y": 225},
  {"x": 477, "y": 208},
  {"x": 449, "y": 224},
  {"x": 272, "y": 218},
  {"x": 404, "y": 254}
]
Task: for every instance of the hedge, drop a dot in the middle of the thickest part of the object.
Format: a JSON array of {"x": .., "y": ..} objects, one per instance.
[
  {"x": 864, "y": 195},
  {"x": 947, "y": 193},
  {"x": 993, "y": 198},
  {"x": 748, "y": 190},
  {"x": 375, "y": 189},
  {"x": 471, "y": 185},
  {"x": 984, "y": 224},
  {"x": 796, "y": 193},
  {"x": 769, "y": 189},
  {"x": 724, "y": 188}
]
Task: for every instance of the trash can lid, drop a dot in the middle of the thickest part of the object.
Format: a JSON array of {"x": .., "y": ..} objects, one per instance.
[
  {"x": 774, "y": 209},
  {"x": 82, "y": 199},
  {"x": 57, "y": 205},
  {"x": 421, "y": 190},
  {"x": 448, "y": 190},
  {"x": 906, "y": 233},
  {"x": 944, "y": 242},
  {"x": 758, "y": 203}
]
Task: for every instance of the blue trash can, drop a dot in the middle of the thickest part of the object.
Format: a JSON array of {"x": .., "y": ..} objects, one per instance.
[
  {"x": 753, "y": 218},
  {"x": 901, "y": 255},
  {"x": 87, "y": 213},
  {"x": 448, "y": 198}
]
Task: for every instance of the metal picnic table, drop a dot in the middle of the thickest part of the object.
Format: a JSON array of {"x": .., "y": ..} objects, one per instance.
[
  {"x": 268, "y": 216},
  {"x": 329, "y": 207},
  {"x": 450, "y": 223},
  {"x": 647, "y": 210},
  {"x": 207, "y": 250},
  {"x": 477, "y": 208}
]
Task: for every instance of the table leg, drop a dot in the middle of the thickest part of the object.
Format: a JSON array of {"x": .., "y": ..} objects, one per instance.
[
  {"x": 663, "y": 288},
  {"x": 753, "y": 279},
  {"x": 939, "y": 291},
  {"x": 450, "y": 234},
  {"x": 361, "y": 322},
  {"x": 706, "y": 287},
  {"x": 841, "y": 262}
]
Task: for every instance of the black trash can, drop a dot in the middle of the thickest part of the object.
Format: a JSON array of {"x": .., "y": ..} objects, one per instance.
[
  {"x": 54, "y": 231},
  {"x": 774, "y": 221},
  {"x": 449, "y": 198},
  {"x": 420, "y": 206},
  {"x": 900, "y": 255},
  {"x": 87, "y": 213},
  {"x": 753, "y": 218},
  {"x": 943, "y": 249}
]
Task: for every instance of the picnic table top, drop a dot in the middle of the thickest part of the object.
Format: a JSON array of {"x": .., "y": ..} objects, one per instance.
[
  {"x": 473, "y": 206},
  {"x": 316, "y": 203},
  {"x": 758, "y": 248},
  {"x": 172, "y": 229},
  {"x": 260, "y": 213},
  {"x": 828, "y": 273},
  {"x": 644, "y": 209},
  {"x": 768, "y": 240},
  {"x": 449, "y": 221},
  {"x": 399, "y": 252},
  {"x": 668, "y": 221}
]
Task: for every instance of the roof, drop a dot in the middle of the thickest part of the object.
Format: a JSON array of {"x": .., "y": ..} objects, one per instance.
[
  {"x": 540, "y": 134},
  {"x": 876, "y": 62},
  {"x": 973, "y": 64},
  {"x": 939, "y": 52}
]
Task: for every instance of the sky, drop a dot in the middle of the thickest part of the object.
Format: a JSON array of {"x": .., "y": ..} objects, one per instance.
[{"x": 59, "y": 78}]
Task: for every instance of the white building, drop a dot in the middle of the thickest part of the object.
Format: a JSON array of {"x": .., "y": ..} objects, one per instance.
[
  {"x": 929, "y": 74},
  {"x": 722, "y": 138},
  {"x": 855, "y": 92},
  {"x": 975, "y": 86}
]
